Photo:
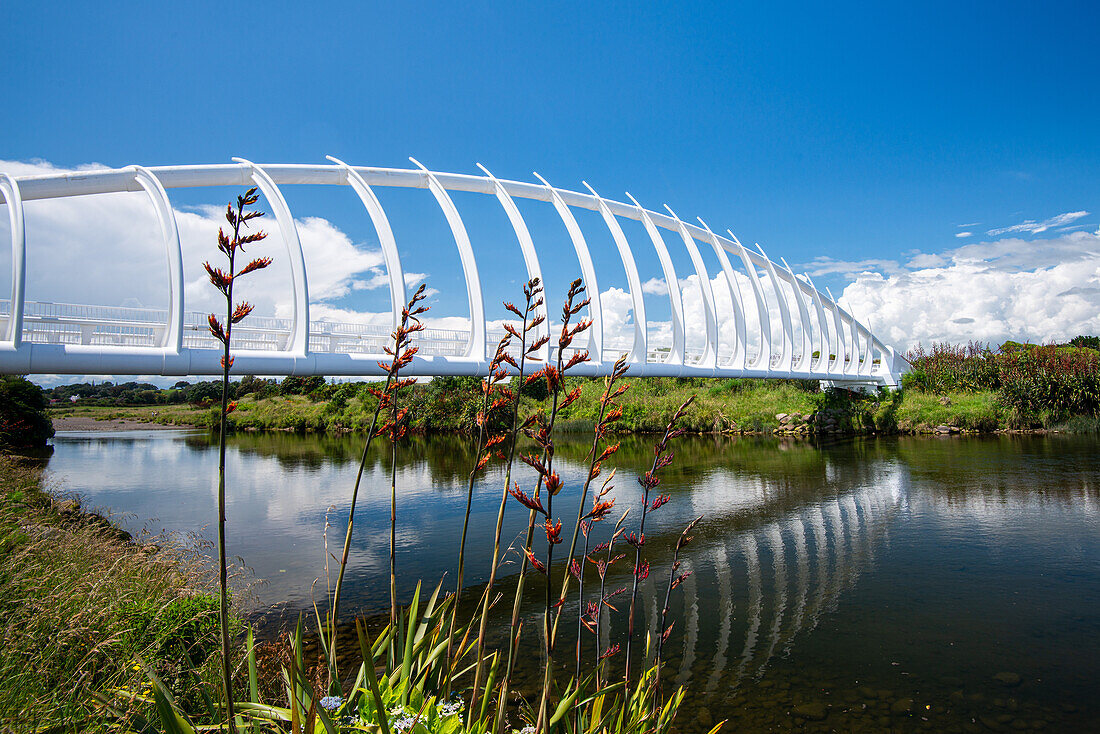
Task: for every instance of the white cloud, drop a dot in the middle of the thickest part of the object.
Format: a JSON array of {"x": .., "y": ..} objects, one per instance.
[
  {"x": 825, "y": 265},
  {"x": 1038, "y": 290},
  {"x": 655, "y": 287},
  {"x": 961, "y": 235},
  {"x": 1034, "y": 227}
]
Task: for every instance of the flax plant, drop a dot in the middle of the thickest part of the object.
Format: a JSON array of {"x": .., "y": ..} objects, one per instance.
[
  {"x": 530, "y": 319},
  {"x": 649, "y": 482},
  {"x": 234, "y": 313},
  {"x": 595, "y": 616},
  {"x": 543, "y": 437},
  {"x": 401, "y": 355},
  {"x": 409, "y": 324},
  {"x": 675, "y": 578},
  {"x": 490, "y": 386}
]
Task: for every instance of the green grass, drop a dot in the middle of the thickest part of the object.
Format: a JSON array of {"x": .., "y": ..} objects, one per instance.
[
  {"x": 79, "y": 606},
  {"x": 976, "y": 411}
]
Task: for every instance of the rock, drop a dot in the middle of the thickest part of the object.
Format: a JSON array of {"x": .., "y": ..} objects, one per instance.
[
  {"x": 68, "y": 507},
  {"x": 814, "y": 711},
  {"x": 781, "y": 417},
  {"x": 902, "y": 706},
  {"x": 1010, "y": 680},
  {"x": 945, "y": 400}
]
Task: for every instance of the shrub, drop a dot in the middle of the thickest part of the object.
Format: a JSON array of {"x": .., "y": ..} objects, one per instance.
[{"x": 23, "y": 419}]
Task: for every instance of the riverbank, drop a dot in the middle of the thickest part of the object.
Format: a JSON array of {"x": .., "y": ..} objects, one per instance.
[
  {"x": 82, "y": 603},
  {"x": 721, "y": 406}
]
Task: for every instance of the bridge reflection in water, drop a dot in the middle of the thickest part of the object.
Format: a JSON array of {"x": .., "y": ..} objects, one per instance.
[{"x": 770, "y": 558}]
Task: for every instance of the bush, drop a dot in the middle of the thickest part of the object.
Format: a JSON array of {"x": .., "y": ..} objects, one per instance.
[
  {"x": 1046, "y": 385},
  {"x": 23, "y": 420},
  {"x": 949, "y": 367}
]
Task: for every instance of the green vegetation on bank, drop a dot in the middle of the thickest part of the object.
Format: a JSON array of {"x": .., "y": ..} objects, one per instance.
[
  {"x": 972, "y": 388},
  {"x": 83, "y": 607}
]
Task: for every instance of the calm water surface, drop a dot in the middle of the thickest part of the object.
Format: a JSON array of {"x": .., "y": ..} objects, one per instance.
[{"x": 881, "y": 583}]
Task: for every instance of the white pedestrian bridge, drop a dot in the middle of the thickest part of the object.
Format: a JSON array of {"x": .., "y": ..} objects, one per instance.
[{"x": 782, "y": 325}]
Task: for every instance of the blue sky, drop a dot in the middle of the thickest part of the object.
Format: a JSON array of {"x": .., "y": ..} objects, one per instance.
[{"x": 856, "y": 140}]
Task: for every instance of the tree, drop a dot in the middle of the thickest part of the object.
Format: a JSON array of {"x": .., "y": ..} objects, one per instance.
[{"x": 24, "y": 422}]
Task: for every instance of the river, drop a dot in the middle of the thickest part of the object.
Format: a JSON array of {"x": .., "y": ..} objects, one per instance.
[{"x": 857, "y": 584}]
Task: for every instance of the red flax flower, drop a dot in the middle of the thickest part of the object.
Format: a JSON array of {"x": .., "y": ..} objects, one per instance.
[
  {"x": 614, "y": 649},
  {"x": 641, "y": 571},
  {"x": 661, "y": 500},
  {"x": 531, "y": 503},
  {"x": 553, "y": 484},
  {"x": 535, "y": 562},
  {"x": 553, "y": 531}
]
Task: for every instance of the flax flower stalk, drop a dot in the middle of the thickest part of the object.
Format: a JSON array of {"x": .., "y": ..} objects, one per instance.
[
  {"x": 408, "y": 318},
  {"x": 603, "y": 423},
  {"x": 530, "y": 320},
  {"x": 603, "y": 569},
  {"x": 553, "y": 482},
  {"x": 649, "y": 482},
  {"x": 674, "y": 579},
  {"x": 488, "y": 405},
  {"x": 223, "y": 281},
  {"x": 401, "y": 356}
]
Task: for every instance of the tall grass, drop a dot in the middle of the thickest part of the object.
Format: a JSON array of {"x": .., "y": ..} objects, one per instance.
[{"x": 79, "y": 606}]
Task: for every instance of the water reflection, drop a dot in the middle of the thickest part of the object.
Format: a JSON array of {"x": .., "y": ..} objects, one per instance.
[{"x": 819, "y": 570}]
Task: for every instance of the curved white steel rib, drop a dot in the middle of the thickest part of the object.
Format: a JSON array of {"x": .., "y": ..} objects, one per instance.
[
  {"x": 527, "y": 246},
  {"x": 298, "y": 343},
  {"x": 710, "y": 356},
  {"x": 475, "y": 347},
  {"x": 849, "y": 352},
  {"x": 638, "y": 349},
  {"x": 13, "y": 331},
  {"x": 386, "y": 241},
  {"x": 738, "y": 359},
  {"x": 803, "y": 319},
  {"x": 588, "y": 271},
  {"x": 166, "y": 217},
  {"x": 763, "y": 315},
  {"x": 675, "y": 302}
]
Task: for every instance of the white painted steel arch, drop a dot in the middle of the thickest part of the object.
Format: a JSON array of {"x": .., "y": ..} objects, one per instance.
[{"x": 74, "y": 339}]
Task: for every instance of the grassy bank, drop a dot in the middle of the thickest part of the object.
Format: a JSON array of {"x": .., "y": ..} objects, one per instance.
[
  {"x": 82, "y": 604},
  {"x": 723, "y": 405}
]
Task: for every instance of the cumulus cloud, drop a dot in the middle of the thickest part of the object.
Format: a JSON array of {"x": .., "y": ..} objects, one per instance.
[{"x": 1036, "y": 290}]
